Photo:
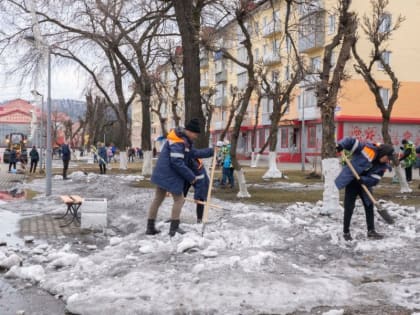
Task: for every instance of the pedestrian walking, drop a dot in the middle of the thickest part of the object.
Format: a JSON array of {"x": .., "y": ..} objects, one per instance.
[
  {"x": 12, "y": 159},
  {"x": 370, "y": 161},
  {"x": 171, "y": 172},
  {"x": 65, "y": 156},
  {"x": 408, "y": 157},
  {"x": 34, "y": 155},
  {"x": 102, "y": 156}
]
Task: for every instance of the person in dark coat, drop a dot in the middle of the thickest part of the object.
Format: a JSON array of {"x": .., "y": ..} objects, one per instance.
[
  {"x": 102, "y": 156},
  {"x": 370, "y": 162},
  {"x": 12, "y": 159},
  {"x": 34, "y": 159},
  {"x": 65, "y": 156},
  {"x": 201, "y": 187},
  {"x": 172, "y": 170}
]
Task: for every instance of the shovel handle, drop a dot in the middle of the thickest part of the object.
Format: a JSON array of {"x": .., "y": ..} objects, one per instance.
[{"x": 367, "y": 191}]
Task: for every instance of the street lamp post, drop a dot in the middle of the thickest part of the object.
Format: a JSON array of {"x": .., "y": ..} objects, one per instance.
[
  {"x": 302, "y": 140},
  {"x": 41, "y": 143},
  {"x": 48, "y": 155}
]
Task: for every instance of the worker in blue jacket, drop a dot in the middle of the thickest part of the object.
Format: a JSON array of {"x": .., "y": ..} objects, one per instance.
[
  {"x": 172, "y": 170},
  {"x": 370, "y": 162}
]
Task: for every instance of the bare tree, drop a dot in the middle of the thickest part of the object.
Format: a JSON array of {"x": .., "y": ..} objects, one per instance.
[
  {"x": 188, "y": 17},
  {"x": 328, "y": 87},
  {"x": 379, "y": 30},
  {"x": 240, "y": 11}
]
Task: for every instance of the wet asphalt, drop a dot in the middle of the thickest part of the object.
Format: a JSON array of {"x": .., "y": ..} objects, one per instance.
[{"x": 17, "y": 296}]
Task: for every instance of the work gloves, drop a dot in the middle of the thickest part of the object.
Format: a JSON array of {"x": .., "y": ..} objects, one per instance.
[{"x": 339, "y": 148}]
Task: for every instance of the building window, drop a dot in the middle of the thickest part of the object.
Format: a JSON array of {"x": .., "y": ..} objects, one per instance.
[
  {"x": 311, "y": 136},
  {"x": 316, "y": 64},
  {"x": 284, "y": 137},
  {"x": 385, "y": 23},
  {"x": 331, "y": 24},
  {"x": 287, "y": 73},
  {"x": 274, "y": 76},
  {"x": 384, "y": 96},
  {"x": 242, "y": 80},
  {"x": 386, "y": 55},
  {"x": 332, "y": 60},
  {"x": 288, "y": 45}
]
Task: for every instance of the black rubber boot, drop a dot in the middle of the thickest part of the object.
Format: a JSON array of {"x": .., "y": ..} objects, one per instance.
[
  {"x": 151, "y": 230},
  {"x": 347, "y": 237},
  {"x": 372, "y": 234},
  {"x": 200, "y": 210},
  {"x": 175, "y": 228}
]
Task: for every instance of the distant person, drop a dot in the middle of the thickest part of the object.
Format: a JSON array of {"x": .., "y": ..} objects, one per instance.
[
  {"x": 12, "y": 159},
  {"x": 65, "y": 156},
  {"x": 370, "y": 161},
  {"x": 34, "y": 159},
  {"x": 409, "y": 157},
  {"x": 227, "y": 171},
  {"x": 154, "y": 152},
  {"x": 102, "y": 156}
]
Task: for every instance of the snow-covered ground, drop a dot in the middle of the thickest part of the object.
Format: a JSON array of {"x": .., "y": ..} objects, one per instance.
[{"x": 252, "y": 259}]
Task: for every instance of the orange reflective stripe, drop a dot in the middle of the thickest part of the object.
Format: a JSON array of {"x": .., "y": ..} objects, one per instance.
[{"x": 369, "y": 153}]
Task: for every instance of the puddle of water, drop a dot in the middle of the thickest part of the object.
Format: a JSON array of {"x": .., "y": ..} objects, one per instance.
[{"x": 9, "y": 226}]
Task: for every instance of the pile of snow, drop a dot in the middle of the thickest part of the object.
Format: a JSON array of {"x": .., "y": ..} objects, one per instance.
[{"x": 251, "y": 259}]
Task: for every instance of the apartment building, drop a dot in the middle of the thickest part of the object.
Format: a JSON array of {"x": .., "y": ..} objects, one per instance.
[{"x": 313, "y": 26}]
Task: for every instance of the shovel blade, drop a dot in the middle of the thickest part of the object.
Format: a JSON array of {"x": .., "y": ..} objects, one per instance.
[{"x": 386, "y": 216}]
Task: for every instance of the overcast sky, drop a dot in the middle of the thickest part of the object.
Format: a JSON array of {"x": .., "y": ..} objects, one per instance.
[{"x": 66, "y": 84}]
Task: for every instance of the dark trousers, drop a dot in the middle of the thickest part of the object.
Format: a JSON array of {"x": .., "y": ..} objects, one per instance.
[
  {"x": 65, "y": 167},
  {"x": 102, "y": 168},
  {"x": 33, "y": 166},
  {"x": 10, "y": 165},
  {"x": 409, "y": 173},
  {"x": 351, "y": 192},
  {"x": 200, "y": 207}
]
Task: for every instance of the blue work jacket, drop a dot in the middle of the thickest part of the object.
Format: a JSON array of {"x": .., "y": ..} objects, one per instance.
[
  {"x": 363, "y": 160},
  {"x": 174, "y": 165}
]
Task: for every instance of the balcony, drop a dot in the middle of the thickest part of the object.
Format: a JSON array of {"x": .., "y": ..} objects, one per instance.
[
  {"x": 219, "y": 125},
  {"x": 204, "y": 83},
  {"x": 312, "y": 32},
  {"x": 265, "y": 119},
  {"x": 220, "y": 101},
  {"x": 271, "y": 29},
  {"x": 221, "y": 76},
  {"x": 271, "y": 59},
  {"x": 204, "y": 62},
  {"x": 309, "y": 113}
]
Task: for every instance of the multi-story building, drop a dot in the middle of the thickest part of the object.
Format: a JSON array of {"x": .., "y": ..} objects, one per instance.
[{"x": 315, "y": 25}]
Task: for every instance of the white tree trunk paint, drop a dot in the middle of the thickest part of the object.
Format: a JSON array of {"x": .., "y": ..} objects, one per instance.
[
  {"x": 123, "y": 160},
  {"x": 243, "y": 190},
  {"x": 402, "y": 180},
  {"x": 147, "y": 163},
  {"x": 273, "y": 171},
  {"x": 331, "y": 198},
  {"x": 254, "y": 159}
]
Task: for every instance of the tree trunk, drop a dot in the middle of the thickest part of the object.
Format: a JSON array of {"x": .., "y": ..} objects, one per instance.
[
  {"x": 188, "y": 17},
  {"x": 328, "y": 131},
  {"x": 331, "y": 197}
]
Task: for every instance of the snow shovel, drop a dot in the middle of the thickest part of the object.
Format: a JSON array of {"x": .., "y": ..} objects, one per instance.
[
  {"x": 382, "y": 212},
  {"x": 207, "y": 204}
]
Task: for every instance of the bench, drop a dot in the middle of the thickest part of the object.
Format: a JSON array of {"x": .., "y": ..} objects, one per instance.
[{"x": 73, "y": 203}]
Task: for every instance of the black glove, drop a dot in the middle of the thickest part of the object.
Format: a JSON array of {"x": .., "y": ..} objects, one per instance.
[
  {"x": 361, "y": 182},
  {"x": 339, "y": 148}
]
